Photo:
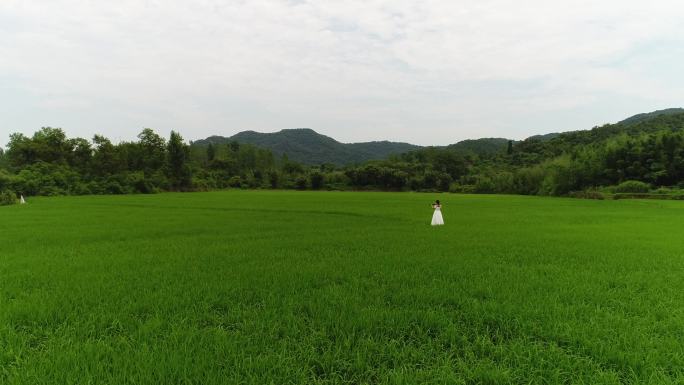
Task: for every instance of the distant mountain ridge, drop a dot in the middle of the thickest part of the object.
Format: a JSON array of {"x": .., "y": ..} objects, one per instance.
[
  {"x": 671, "y": 119},
  {"x": 638, "y": 118},
  {"x": 306, "y": 146},
  {"x": 482, "y": 146}
]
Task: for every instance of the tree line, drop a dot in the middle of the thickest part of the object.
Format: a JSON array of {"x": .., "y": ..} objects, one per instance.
[
  {"x": 620, "y": 157},
  {"x": 49, "y": 163},
  {"x": 636, "y": 158}
]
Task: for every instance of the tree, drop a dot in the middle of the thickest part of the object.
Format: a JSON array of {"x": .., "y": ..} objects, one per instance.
[
  {"x": 317, "y": 180},
  {"x": 105, "y": 159},
  {"x": 289, "y": 167},
  {"x": 273, "y": 178},
  {"x": 300, "y": 182},
  {"x": 178, "y": 171},
  {"x": 211, "y": 152},
  {"x": 234, "y": 146},
  {"x": 81, "y": 155},
  {"x": 153, "y": 150},
  {"x": 3, "y": 159},
  {"x": 48, "y": 145}
]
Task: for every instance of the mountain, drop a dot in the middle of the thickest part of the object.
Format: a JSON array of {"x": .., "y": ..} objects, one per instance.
[
  {"x": 657, "y": 121},
  {"x": 483, "y": 146},
  {"x": 650, "y": 115},
  {"x": 306, "y": 146},
  {"x": 545, "y": 137}
]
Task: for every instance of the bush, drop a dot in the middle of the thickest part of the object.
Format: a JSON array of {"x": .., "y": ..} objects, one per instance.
[
  {"x": 301, "y": 182},
  {"x": 484, "y": 185},
  {"x": 6, "y": 180},
  {"x": 81, "y": 189},
  {"x": 317, "y": 180},
  {"x": 336, "y": 180},
  {"x": 416, "y": 183},
  {"x": 462, "y": 188},
  {"x": 198, "y": 184},
  {"x": 528, "y": 181},
  {"x": 7, "y": 198},
  {"x": 139, "y": 183},
  {"x": 587, "y": 194},
  {"x": 665, "y": 190},
  {"x": 648, "y": 196},
  {"x": 52, "y": 191},
  {"x": 273, "y": 179},
  {"x": 95, "y": 188},
  {"x": 235, "y": 181},
  {"x": 632, "y": 186},
  {"x": 113, "y": 187}
]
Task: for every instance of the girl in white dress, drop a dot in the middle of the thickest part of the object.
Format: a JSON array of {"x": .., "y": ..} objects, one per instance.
[{"x": 437, "y": 219}]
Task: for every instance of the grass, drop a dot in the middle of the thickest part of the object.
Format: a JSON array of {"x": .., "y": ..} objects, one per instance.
[{"x": 330, "y": 288}]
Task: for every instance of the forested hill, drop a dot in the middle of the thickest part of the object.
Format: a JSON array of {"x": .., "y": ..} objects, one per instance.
[
  {"x": 638, "y": 125},
  {"x": 309, "y": 147},
  {"x": 644, "y": 152},
  {"x": 483, "y": 146},
  {"x": 650, "y": 115}
]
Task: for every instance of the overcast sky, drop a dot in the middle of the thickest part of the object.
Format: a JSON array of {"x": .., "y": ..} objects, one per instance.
[{"x": 426, "y": 72}]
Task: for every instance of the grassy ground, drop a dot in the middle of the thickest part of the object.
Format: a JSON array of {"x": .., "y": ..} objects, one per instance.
[{"x": 308, "y": 288}]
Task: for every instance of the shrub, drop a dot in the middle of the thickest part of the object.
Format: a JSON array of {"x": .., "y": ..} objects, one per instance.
[
  {"x": 198, "y": 184},
  {"x": 52, "y": 191},
  {"x": 632, "y": 186},
  {"x": 81, "y": 189},
  {"x": 273, "y": 179},
  {"x": 587, "y": 194},
  {"x": 317, "y": 180},
  {"x": 137, "y": 182},
  {"x": 462, "y": 188},
  {"x": 95, "y": 188},
  {"x": 235, "y": 181},
  {"x": 7, "y": 198},
  {"x": 5, "y": 180},
  {"x": 528, "y": 181},
  {"x": 336, "y": 180},
  {"x": 484, "y": 185},
  {"x": 503, "y": 182},
  {"x": 416, "y": 183},
  {"x": 253, "y": 180},
  {"x": 664, "y": 190},
  {"x": 113, "y": 187},
  {"x": 301, "y": 182}
]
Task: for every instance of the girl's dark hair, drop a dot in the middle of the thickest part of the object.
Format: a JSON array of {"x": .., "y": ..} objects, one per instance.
[{"x": 437, "y": 201}]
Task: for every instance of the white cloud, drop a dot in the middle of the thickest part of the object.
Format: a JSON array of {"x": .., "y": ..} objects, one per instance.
[{"x": 429, "y": 72}]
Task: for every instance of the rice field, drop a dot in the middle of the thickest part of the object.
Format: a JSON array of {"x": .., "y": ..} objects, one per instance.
[{"x": 273, "y": 287}]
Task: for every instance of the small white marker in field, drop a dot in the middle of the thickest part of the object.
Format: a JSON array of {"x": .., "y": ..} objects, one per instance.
[{"x": 21, "y": 199}]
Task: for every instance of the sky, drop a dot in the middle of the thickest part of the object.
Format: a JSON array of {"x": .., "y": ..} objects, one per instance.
[{"x": 429, "y": 72}]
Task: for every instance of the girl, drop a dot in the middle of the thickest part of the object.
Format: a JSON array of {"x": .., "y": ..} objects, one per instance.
[{"x": 437, "y": 219}]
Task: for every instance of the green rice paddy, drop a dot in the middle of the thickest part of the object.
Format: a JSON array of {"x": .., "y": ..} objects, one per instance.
[{"x": 261, "y": 287}]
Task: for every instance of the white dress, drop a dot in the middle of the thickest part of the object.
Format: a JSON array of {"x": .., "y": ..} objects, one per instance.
[{"x": 437, "y": 219}]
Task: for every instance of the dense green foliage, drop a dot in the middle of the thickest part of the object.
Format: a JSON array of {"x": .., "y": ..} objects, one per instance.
[
  {"x": 308, "y": 147},
  {"x": 649, "y": 115},
  {"x": 49, "y": 163},
  {"x": 482, "y": 146},
  {"x": 7, "y": 198},
  {"x": 648, "y": 149},
  {"x": 340, "y": 288},
  {"x": 632, "y": 186}
]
